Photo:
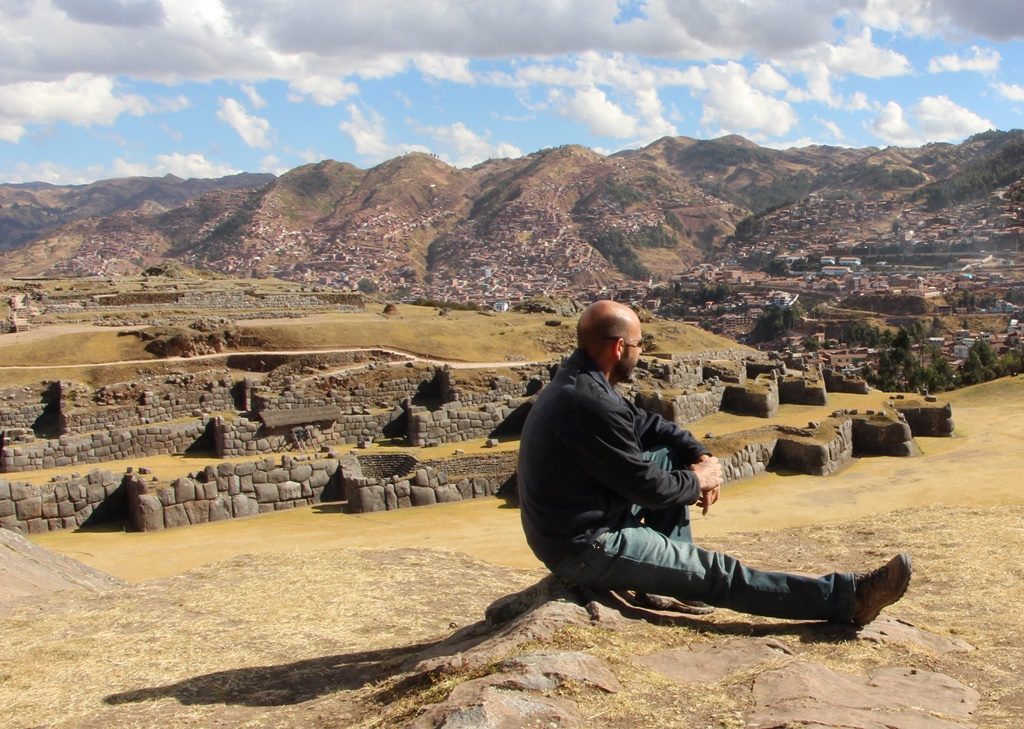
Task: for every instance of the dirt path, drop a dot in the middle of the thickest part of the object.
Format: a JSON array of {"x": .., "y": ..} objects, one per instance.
[{"x": 979, "y": 467}]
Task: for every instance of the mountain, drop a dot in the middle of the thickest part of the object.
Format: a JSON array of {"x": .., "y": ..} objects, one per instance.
[
  {"x": 547, "y": 223},
  {"x": 29, "y": 210}
]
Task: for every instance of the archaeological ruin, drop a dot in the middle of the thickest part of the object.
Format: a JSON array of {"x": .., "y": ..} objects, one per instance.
[{"x": 297, "y": 431}]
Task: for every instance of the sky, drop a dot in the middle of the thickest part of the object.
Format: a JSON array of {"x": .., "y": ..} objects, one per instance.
[{"x": 94, "y": 89}]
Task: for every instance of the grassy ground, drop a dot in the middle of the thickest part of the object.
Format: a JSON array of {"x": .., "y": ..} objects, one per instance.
[{"x": 464, "y": 336}]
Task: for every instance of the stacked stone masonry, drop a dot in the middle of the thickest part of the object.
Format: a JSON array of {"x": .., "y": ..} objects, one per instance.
[
  {"x": 423, "y": 487},
  {"x": 229, "y": 491},
  {"x": 117, "y": 444},
  {"x": 62, "y": 504}
]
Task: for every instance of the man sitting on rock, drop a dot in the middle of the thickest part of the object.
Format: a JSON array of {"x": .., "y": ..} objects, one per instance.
[{"x": 604, "y": 491}]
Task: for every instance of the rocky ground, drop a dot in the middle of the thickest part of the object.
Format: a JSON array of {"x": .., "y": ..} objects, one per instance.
[{"x": 357, "y": 637}]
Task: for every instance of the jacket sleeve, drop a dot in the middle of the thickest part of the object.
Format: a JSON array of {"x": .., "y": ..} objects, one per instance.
[
  {"x": 654, "y": 431},
  {"x": 609, "y": 450}
]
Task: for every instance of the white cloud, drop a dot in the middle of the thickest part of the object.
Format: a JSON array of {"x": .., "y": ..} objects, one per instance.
[
  {"x": 942, "y": 119},
  {"x": 55, "y": 174},
  {"x": 460, "y": 146},
  {"x": 832, "y": 127},
  {"x": 768, "y": 79},
  {"x": 257, "y": 101},
  {"x": 892, "y": 127},
  {"x": 255, "y": 131},
  {"x": 983, "y": 60},
  {"x": 445, "y": 68},
  {"x": 180, "y": 165},
  {"x": 819, "y": 86},
  {"x": 734, "y": 105},
  {"x": 321, "y": 90},
  {"x": 938, "y": 120},
  {"x": 173, "y": 103},
  {"x": 861, "y": 57},
  {"x": 591, "y": 106},
  {"x": 368, "y": 131},
  {"x": 79, "y": 99},
  {"x": 1013, "y": 92},
  {"x": 858, "y": 101},
  {"x": 994, "y": 19}
]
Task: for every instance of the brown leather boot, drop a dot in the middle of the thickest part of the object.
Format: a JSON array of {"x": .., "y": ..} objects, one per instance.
[{"x": 879, "y": 588}]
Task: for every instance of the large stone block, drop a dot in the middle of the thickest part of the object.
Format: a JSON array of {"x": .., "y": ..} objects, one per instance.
[
  {"x": 244, "y": 505},
  {"x": 289, "y": 490},
  {"x": 245, "y": 469},
  {"x": 38, "y": 526},
  {"x": 148, "y": 513},
  {"x": 50, "y": 509},
  {"x": 301, "y": 472},
  {"x": 446, "y": 493},
  {"x": 175, "y": 516},
  {"x": 6, "y": 508},
  {"x": 198, "y": 511},
  {"x": 371, "y": 498},
  {"x": 12, "y": 523},
  {"x": 20, "y": 490},
  {"x": 95, "y": 493},
  {"x": 184, "y": 490},
  {"x": 423, "y": 496},
  {"x": 30, "y": 508},
  {"x": 266, "y": 493}
]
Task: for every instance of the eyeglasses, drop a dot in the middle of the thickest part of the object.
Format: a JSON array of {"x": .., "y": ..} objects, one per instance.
[{"x": 638, "y": 343}]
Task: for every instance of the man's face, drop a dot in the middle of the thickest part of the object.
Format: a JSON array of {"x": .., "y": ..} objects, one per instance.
[{"x": 624, "y": 366}]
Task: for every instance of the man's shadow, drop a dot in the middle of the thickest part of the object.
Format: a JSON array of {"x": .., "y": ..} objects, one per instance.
[{"x": 280, "y": 685}]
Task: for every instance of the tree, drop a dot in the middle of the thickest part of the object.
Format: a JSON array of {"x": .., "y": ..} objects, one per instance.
[{"x": 367, "y": 286}]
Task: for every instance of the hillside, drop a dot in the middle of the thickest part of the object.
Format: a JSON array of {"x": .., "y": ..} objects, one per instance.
[
  {"x": 549, "y": 223},
  {"x": 30, "y": 210}
]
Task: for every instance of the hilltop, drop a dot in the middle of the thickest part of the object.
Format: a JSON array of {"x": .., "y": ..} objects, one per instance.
[{"x": 555, "y": 221}]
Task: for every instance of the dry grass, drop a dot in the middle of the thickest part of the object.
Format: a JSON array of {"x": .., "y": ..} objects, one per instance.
[
  {"x": 103, "y": 345},
  {"x": 316, "y": 638}
]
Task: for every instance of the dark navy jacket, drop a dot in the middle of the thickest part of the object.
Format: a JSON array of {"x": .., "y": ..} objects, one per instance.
[{"x": 581, "y": 465}]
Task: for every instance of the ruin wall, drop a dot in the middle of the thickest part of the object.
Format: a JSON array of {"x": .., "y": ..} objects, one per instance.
[
  {"x": 116, "y": 444},
  {"x": 230, "y": 491},
  {"x": 65, "y": 503}
]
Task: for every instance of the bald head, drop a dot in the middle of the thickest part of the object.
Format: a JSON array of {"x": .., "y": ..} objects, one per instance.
[{"x": 603, "y": 321}]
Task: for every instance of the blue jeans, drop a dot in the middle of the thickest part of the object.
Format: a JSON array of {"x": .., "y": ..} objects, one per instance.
[{"x": 652, "y": 551}]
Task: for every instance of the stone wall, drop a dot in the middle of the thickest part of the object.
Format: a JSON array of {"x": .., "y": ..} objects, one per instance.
[
  {"x": 454, "y": 423},
  {"x": 928, "y": 418},
  {"x": 182, "y": 396},
  {"x": 497, "y": 468},
  {"x": 819, "y": 450},
  {"x": 424, "y": 487},
  {"x": 117, "y": 444},
  {"x": 748, "y": 459},
  {"x": 61, "y": 504},
  {"x": 230, "y": 490},
  {"x": 802, "y": 390},
  {"x": 836, "y": 381},
  {"x": 759, "y": 398},
  {"x": 21, "y": 407},
  {"x": 691, "y": 405},
  {"x": 242, "y": 437},
  {"x": 882, "y": 434}
]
